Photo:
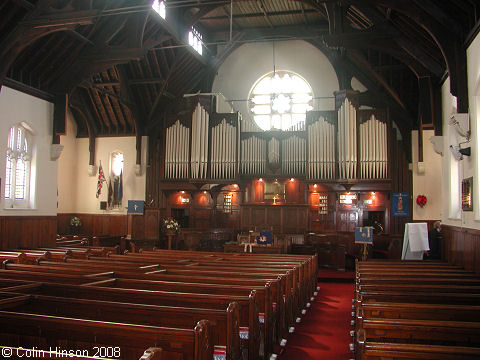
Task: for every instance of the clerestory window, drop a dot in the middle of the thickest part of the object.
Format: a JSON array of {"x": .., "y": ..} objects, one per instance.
[
  {"x": 195, "y": 40},
  {"x": 159, "y": 7}
]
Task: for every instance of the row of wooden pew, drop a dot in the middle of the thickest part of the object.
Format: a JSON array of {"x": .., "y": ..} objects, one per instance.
[
  {"x": 416, "y": 310},
  {"x": 191, "y": 305}
]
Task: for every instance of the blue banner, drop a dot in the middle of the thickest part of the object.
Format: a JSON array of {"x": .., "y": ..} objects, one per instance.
[
  {"x": 265, "y": 237},
  {"x": 400, "y": 204},
  {"x": 135, "y": 207},
  {"x": 364, "y": 235}
]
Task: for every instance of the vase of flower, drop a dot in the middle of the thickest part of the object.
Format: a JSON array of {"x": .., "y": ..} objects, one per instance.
[
  {"x": 170, "y": 226},
  {"x": 75, "y": 225}
]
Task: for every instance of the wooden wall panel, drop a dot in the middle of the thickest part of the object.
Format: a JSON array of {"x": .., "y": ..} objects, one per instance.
[
  {"x": 401, "y": 182},
  {"x": 95, "y": 224},
  {"x": 284, "y": 219},
  {"x": 461, "y": 246},
  {"x": 152, "y": 224},
  {"x": 27, "y": 231}
]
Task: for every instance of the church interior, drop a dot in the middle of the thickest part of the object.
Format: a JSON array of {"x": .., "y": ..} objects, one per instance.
[{"x": 273, "y": 179}]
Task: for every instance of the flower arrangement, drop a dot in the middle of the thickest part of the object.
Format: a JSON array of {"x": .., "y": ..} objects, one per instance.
[
  {"x": 171, "y": 225},
  {"x": 75, "y": 222}
]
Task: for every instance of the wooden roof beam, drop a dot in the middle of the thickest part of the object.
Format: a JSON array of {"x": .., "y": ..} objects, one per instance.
[
  {"x": 450, "y": 44},
  {"x": 415, "y": 51},
  {"x": 33, "y": 27},
  {"x": 137, "y": 114},
  {"x": 265, "y": 15},
  {"x": 363, "y": 63}
]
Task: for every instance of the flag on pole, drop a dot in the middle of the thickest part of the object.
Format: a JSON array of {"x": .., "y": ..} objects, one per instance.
[
  {"x": 120, "y": 187},
  {"x": 110, "y": 193},
  {"x": 101, "y": 179}
]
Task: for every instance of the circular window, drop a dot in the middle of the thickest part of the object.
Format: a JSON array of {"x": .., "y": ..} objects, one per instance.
[{"x": 279, "y": 101}]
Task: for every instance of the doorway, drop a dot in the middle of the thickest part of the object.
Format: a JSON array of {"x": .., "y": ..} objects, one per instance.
[
  {"x": 182, "y": 217},
  {"x": 375, "y": 219}
]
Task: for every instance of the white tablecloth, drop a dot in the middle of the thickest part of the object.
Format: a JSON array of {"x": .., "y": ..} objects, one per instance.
[{"x": 415, "y": 241}]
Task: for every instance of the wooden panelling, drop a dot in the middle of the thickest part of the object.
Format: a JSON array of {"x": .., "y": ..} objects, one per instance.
[
  {"x": 27, "y": 231},
  {"x": 283, "y": 218},
  {"x": 461, "y": 246},
  {"x": 152, "y": 224},
  {"x": 95, "y": 224}
]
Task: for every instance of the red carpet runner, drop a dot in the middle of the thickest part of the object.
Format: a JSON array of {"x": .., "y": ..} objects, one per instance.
[{"x": 324, "y": 332}]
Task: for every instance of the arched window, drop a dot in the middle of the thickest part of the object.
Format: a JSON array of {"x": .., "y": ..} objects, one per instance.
[
  {"x": 279, "y": 100},
  {"x": 18, "y": 163},
  {"x": 115, "y": 192}
]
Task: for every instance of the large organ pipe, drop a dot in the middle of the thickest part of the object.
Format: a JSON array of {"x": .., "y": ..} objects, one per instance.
[
  {"x": 293, "y": 155},
  {"x": 223, "y": 151},
  {"x": 373, "y": 148},
  {"x": 253, "y": 155},
  {"x": 198, "y": 158},
  {"x": 321, "y": 150},
  {"x": 347, "y": 141},
  {"x": 176, "y": 151}
]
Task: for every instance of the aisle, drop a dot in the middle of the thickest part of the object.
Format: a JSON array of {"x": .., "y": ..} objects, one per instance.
[{"x": 323, "y": 332}]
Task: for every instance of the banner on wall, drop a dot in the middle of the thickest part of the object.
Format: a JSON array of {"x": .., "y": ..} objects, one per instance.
[{"x": 400, "y": 204}]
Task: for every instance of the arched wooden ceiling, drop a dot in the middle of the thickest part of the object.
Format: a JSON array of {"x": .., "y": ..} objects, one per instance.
[{"x": 122, "y": 66}]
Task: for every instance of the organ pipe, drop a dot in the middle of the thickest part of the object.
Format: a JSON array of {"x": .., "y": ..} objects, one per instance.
[
  {"x": 223, "y": 151},
  {"x": 293, "y": 155},
  {"x": 254, "y": 156},
  {"x": 321, "y": 150},
  {"x": 198, "y": 157},
  {"x": 373, "y": 149},
  {"x": 347, "y": 141},
  {"x": 176, "y": 153}
]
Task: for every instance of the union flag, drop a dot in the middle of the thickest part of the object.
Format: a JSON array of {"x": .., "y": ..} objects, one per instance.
[{"x": 101, "y": 180}]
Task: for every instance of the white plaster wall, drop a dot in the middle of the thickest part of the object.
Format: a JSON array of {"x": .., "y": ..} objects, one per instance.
[
  {"x": 470, "y": 165},
  {"x": 83, "y": 199},
  {"x": 67, "y": 168},
  {"x": 18, "y": 107},
  {"x": 249, "y": 62},
  {"x": 428, "y": 183}
]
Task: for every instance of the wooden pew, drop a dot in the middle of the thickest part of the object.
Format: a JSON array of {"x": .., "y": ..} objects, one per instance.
[
  {"x": 292, "y": 296},
  {"x": 453, "y": 333},
  {"x": 224, "y": 323},
  {"x": 419, "y": 311},
  {"x": 129, "y": 341},
  {"x": 263, "y": 292},
  {"x": 420, "y": 307},
  {"x": 395, "y": 351},
  {"x": 285, "y": 300},
  {"x": 276, "y": 317},
  {"x": 248, "y": 305}
]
